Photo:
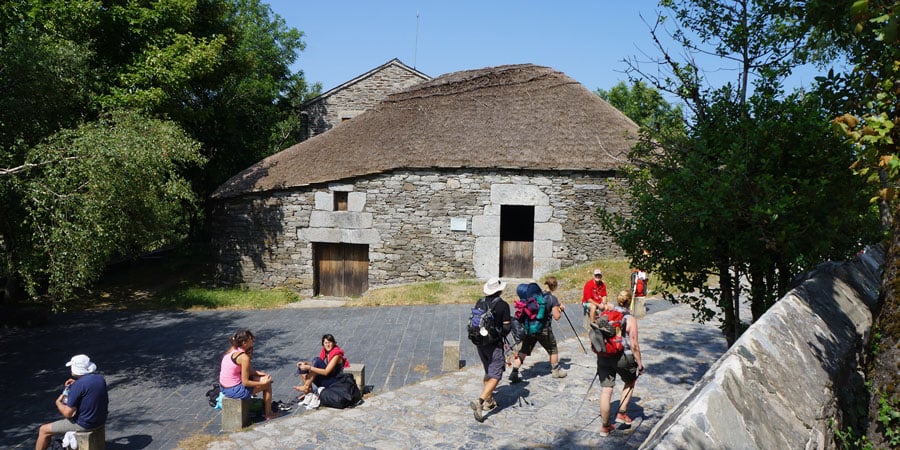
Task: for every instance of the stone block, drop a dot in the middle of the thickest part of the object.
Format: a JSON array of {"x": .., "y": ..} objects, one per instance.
[
  {"x": 91, "y": 440},
  {"x": 235, "y": 414},
  {"x": 358, "y": 370},
  {"x": 451, "y": 356}
]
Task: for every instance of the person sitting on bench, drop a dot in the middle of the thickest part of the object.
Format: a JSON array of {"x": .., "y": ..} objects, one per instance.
[{"x": 324, "y": 369}]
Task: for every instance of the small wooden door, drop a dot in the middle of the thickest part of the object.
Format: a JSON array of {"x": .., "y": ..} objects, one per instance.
[
  {"x": 341, "y": 270},
  {"x": 516, "y": 241}
]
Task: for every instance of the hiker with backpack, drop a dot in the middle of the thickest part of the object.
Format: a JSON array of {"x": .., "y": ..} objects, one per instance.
[
  {"x": 593, "y": 296},
  {"x": 237, "y": 376},
  {"x": 614, "y": 337},
  {"x": 537, "y": 328},
  {"x": 488, "y": 325},
  {"x": 639, "y": 282}
]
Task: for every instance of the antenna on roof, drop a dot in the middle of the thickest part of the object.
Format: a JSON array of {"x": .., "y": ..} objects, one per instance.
[{"x": 416, "y": 48}]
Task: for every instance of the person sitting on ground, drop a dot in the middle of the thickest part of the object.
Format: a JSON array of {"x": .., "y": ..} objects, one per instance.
[
  {"x": 593, "y": 296},
  {"x": 84, "y": 402},
  {"x": 545, "y": 337},
  {"x": 628, "y": 365},
  {"x": 324, "y": 369},
  {"x": 238, "y": 378}
]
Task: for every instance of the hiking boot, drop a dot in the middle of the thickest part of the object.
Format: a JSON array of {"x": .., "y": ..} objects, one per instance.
[
  {"x": 606, "y": 429},
  {"x": 476, "y": 408},
  {"x": 489, "y": 404},
  {"x": 623, "y": 418},
  {"x": 558, "y": 372},
  {"x": 514, "y": 377}
]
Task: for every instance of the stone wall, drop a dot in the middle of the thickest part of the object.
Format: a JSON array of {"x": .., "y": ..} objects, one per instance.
[
  {"x": 329, "y": 110},
  {"x": 419, "y": 225},
  {"x": 780, "y": 384}
]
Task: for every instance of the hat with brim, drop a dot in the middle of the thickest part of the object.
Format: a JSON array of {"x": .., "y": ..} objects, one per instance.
[
  {"x": 81, "y": 365},
  {"x": 493, "y": 286}
]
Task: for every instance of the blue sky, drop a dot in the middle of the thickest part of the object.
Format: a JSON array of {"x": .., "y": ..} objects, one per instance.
[{"x": 586, "y": 40}]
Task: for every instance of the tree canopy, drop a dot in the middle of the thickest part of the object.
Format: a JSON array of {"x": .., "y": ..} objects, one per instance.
[
  {"x": 210, "y": 78},
  {"x": 756, "y": 189}
]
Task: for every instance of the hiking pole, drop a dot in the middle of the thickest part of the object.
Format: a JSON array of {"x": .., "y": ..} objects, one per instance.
[
  {"x": 596, "y": 376},
  {"x": 576, "y": 333}
]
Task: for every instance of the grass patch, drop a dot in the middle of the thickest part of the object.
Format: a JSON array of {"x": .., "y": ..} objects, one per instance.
[
  {"x": 197, "y": 441},
  {"x": 199, "y": 298},
  {"x": 426, "y": 293}
]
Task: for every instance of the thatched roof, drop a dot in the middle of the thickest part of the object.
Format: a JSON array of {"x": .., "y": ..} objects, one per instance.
[{"x": 515, "y": 117}]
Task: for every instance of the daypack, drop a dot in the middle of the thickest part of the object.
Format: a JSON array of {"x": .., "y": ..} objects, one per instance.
[
  {"x": 482, "y": 327},
  {"x": 212, "y": 395},
  {"x": 531, "y": 308},
  {"x": 606, "y": 333},
  {"x": 343, "y": 393},
  {"x": 639, "y": 283}
]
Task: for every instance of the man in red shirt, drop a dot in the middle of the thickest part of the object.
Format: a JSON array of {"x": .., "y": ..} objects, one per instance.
[{"x": 594, "y": 294}]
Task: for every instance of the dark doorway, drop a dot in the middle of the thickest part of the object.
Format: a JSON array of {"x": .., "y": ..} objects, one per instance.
[
  {"x": 516, "y": 241},
  {"x": 340, "y": 270}
]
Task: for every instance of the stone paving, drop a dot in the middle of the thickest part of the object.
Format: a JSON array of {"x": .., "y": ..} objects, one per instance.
[
  {"x": 159, "y": 365},
  {"x": 541, "y": 412}
]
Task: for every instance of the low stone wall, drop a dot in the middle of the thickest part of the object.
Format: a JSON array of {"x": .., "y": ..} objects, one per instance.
[{"x": 779, "y": 385}]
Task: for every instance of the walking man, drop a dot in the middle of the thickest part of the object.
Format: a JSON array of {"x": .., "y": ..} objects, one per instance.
[
  {"x": 487, "y": 335},
  {"x": 83, "y": 404}
]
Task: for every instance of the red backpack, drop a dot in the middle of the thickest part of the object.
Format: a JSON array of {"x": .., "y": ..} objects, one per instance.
[{"x": 606, "y": 333}]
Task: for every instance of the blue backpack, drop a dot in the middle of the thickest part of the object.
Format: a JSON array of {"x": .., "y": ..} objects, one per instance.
[{"x": 531, "y": 308}]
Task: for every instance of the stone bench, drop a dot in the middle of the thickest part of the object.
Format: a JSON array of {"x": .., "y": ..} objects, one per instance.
[
  {"x": 451, "y": 356},
  {"x": 235, "y": 414},
  {"x": 358, "y": 370},
  {"x": 91, "y": 440}
]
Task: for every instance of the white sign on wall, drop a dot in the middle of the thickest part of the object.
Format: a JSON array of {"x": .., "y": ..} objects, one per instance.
[{"x": 458, "y": 224}]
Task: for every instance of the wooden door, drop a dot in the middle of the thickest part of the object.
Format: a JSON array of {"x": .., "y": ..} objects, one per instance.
[
  {"x": 516, "y": 241},
  {"x": 341, "y": 270}
]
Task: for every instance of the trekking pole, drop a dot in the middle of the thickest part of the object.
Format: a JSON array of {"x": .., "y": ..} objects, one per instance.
[
  {"x": 576, "y": 333},
  {"x": 596, "y": 376}
]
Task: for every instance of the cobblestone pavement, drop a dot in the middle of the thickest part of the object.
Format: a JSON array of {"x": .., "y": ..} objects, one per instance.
[
  {"x": 159, "y": 365},
  {"x": 541, "y": 412}
]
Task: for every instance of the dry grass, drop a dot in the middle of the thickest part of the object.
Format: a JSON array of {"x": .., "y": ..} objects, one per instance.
[
  {"x": 616, "y": 274},
  {"x": 197, "y": 441}
]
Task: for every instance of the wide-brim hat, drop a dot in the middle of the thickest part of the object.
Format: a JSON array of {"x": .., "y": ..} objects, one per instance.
[
  {"x": 493, "y": 286},
  {"x": 81, "y": 365}
]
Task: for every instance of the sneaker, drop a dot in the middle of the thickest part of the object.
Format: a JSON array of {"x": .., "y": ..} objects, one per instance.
[
  {"x": 514, "y": 377},
  {"x": 490, "y": 404},
  {"x": 606, "y": 429},
  {"x": 558, "y": 372},
  {"x": 476, "y": 408},
  {"x": 623, "y": 418}
]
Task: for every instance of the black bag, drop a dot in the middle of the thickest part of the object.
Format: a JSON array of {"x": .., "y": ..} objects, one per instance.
[
  {"x": 343, "y": 393},
  {"x": 213, "y": 394}
]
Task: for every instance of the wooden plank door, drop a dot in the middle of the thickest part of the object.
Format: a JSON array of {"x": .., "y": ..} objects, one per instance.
[
  {"x": 341, "y": 270},
  {"x": 516, "y": 241}
]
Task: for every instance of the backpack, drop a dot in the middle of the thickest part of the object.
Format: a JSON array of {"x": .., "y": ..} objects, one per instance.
[
  {"x": 343, "y": 393},
  {"x": 606, "y": 333},
  {"x": 482, "y": 327},
  {"x": 639, "y": 283},
  {"x": 531, "y": 308}
]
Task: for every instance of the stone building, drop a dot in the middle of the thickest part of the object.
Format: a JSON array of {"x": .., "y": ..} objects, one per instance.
[
  {"x": 489, "y": 172},
  {"x": 351, "y": 98}
]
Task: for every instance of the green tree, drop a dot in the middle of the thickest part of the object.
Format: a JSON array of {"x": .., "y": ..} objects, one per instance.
[
  {"x": 217, "y": 69},
  {"x": 109, "y": 188},
  {"x": 747, "y": 194},
  {"x": 643, "y": 104}
]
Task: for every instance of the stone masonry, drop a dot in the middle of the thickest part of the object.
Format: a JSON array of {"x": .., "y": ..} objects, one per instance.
[{"x": 418, "y": 225}]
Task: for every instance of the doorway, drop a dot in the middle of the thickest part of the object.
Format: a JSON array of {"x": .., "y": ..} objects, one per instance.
[
  {"x": 340, "y": 270},
  {"x": 516, "y": 241}
]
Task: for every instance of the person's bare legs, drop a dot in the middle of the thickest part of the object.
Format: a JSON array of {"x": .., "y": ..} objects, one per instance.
[
  {"x": 44, "y": 437},
  {"x": 605, "y": 398},
  {"x": 488, "y": 390},
  {"x": 626, "y": 395},
  {"x": 267, "y": 399}
]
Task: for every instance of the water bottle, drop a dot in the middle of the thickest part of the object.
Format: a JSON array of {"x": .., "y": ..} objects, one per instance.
[{"x": 65, "y": 395}]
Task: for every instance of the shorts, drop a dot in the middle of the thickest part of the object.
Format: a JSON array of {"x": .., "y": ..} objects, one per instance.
[
  {"x": 322, "y": 380},
  {"x": 239, "y": 392},
  {"x": 624, "y": 365},
  {"x": 63, "y": 426},
  {"x": 545, "y": 338},
  {"x": 493, "y": 361}
]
